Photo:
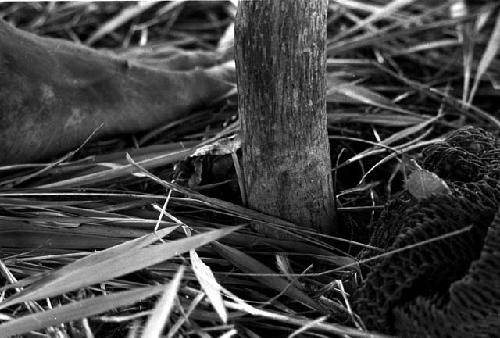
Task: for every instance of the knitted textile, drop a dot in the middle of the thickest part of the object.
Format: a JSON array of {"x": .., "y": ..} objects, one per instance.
[{"x": 448, "y": 287}]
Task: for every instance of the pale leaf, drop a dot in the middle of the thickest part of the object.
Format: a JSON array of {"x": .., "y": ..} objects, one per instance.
[
  {"x": 161, "y": 312},
  {"x": 424, "y": 184},
  {"x": 75, "y": 311},
  {"x": 359, "y": 93},
  {"x": 488, "y": 56},
  {"x": 209, "y": 284},
  {"x": 56, "y": 283},
  {"x": 248, "y": 264}
]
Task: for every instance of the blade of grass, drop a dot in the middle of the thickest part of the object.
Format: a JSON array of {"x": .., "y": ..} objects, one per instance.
[
  {"x": 488, "y": 56},
  {"x": 121, "y": 18},
  {"x": 361, "y": 94},
  {"x": 224, "y": 205},
  {"x": 163, "y": 307},
  {"x": 249, "y": 264},
  {"x": 381, "y": 13},
  {"x": 95, "y": 270},
  {"x": 392, "y": 32},
  {"x": 76, "y": 310},
  {"x": 388, "y": 120},
  {"x": 334, "y": 329},
  {"x": 209, "y": 284},
  {"x": 109, "y": 174},
  {"x": 441, "y": 97}
]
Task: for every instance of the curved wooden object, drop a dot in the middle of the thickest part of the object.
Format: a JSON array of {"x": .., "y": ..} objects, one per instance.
[{"x": 54, "y": 93}]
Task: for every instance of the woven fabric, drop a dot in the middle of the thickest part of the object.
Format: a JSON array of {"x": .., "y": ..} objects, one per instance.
[{"x": 448, "y": 287}]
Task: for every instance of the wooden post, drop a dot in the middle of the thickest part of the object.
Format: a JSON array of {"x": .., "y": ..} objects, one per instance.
[{"x": 281, "y": 68}]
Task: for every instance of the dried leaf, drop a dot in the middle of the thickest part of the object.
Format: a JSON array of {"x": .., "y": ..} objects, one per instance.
[
  {"x": 209, "y": 284},
  {"x": 223, "y": 146},
  {"x": 488, "y": 56},
  {"x": 124, "y": 16},
  {"x": 161, "y": 312},
  {"x": 251, "y": 265},
  {"x": 387, "y": 120},
  {"x": 112, "y": 264},
  {"x": 75, "y": 310},
  {"x": 360, "y": 94},
  {"x": 424, "y": 184},
  {"x": 379, "y": 13}
]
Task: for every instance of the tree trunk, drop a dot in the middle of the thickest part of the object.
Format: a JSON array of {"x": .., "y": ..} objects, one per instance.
[
  {"x": 54, "y": 93},
  {"x": 281, "y": 67}
]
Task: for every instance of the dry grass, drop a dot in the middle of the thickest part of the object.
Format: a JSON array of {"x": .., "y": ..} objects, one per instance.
[{"x": 401, "y": 75}]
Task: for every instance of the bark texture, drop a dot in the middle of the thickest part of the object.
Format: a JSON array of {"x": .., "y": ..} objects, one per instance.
[
  {"x": 54, "y": 93},
  {"x": 281, "y": 67}
]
